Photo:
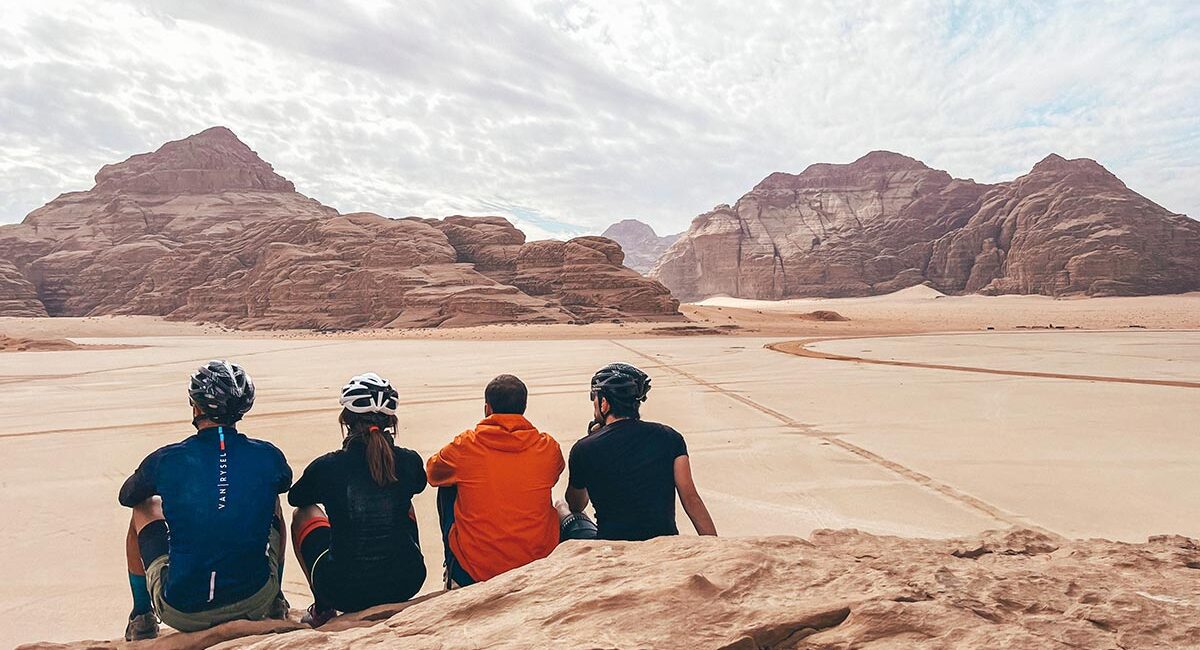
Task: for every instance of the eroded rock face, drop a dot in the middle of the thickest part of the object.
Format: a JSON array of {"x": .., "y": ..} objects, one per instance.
[
  {"x": 18, "y": 296},
  {"x": 641, "y": 244},
  {"x": 839, "y": 589},
  {"x": 213, "y": 160},
  {"x": 886, "y": 222},
  {"x": 202, "y": 229}
]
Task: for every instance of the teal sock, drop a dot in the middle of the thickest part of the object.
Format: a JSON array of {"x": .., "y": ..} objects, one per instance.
[{"x": 141, "y": 595}]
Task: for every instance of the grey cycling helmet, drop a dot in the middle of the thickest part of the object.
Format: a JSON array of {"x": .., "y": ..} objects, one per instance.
[{"x": 222, "y": 390}]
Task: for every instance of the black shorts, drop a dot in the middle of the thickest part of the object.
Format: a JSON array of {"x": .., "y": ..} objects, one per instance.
[{"x": 346, "y": 589}]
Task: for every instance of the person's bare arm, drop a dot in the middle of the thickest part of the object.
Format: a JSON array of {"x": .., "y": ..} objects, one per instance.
[
  {"x": 577, "y": 498},
  {"x": 693, "y": 505}
]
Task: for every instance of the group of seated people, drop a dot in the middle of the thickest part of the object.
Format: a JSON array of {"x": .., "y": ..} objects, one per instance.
[{"x": 206, "y": 538}]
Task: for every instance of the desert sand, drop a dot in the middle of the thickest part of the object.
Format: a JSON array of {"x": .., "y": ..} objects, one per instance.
[{"x": 781, "y": 444}]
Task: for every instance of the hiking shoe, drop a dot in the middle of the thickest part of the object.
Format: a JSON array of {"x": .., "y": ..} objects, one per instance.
[
  {"x": 142, "y": 627},
  {"x": 280, "y": 608},
  {"x": 315, "y": 618}
]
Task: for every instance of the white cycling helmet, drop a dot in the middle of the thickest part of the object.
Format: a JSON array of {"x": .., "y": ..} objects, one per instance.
[{"x": 369, "y": 393}]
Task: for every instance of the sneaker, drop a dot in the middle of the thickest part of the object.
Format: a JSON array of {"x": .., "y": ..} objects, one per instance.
[
  {"x": 280, "y": 608},
  {"x": 315, "y": 618},
  {"x": 142, "y": 627}
]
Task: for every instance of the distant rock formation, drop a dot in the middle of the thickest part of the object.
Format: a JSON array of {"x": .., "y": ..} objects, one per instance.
[
  {"x": 641, "y": 244},
  {"x": 887, "y": 221},
  {"x": 18, "y": 296},
  {"x": 839, "y": 589},
  {"x": 203, "y": 229}
]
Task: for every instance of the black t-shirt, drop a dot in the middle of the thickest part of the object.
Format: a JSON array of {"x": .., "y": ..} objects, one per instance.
[
  {"x": 628, "y": 469},
  {"x": 372, "y": 533}
]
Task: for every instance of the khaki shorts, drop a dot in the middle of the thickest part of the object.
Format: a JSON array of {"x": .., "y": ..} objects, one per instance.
[{"x": 254, "y": 608}]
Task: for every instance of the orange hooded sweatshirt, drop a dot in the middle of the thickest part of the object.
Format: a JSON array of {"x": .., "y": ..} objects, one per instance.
[{"x": 504, "y": 469}]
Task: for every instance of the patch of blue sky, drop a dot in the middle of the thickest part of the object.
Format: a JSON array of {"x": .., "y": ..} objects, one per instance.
[
  {"x": 968, "y": 25},
  {"x": 531, "y": 219},
  {"x": 1071, "y": 105}
]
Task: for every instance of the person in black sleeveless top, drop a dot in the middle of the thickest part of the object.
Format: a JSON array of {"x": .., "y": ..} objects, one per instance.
[{"x": 365, "y": 551}]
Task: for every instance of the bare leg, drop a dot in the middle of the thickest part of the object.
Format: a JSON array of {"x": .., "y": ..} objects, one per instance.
[
  {"x": 133, "y": 555},
  {"x": 283, "y": 540},
  {"x": 142, "y": 622},
  {"x": 146, "y": 512},
  {"x": 143, "y": 513}
]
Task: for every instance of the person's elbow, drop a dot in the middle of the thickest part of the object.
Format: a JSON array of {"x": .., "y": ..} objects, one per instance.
[
  {"x": 127, "y": 496},
  {"x": 440, "y": 476},
  {"x": 577, "y": 499},
  {"x": 438, "y": 473}
]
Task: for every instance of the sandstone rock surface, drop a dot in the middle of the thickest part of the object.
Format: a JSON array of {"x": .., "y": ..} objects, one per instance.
[
  {"x": 18, "y": 296},
  {"x": 839, "y": 589},
  {"x": 887, "y": 221},
  {"x": 641, "y": 244},
  {"x": 203, "y": 229}
]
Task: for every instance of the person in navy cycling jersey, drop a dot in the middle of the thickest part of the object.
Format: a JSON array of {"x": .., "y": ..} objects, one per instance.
[{"x": 206, "y": 537}]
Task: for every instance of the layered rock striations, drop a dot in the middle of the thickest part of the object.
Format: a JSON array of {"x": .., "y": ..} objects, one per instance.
[
  {"x": 203, "y": 229},
  {"x": 838, "y": 589},
  {"x": 887, "y": 221},
  {"x": 18, "y": 296},
  {"x": 641, "y": 244}
]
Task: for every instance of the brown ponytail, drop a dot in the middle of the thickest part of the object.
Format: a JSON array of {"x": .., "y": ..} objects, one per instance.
[{"x": 376, "y": 431}]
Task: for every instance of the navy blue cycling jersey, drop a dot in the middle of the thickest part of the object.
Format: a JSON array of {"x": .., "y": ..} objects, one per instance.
[{"x": 218, "y": 490}]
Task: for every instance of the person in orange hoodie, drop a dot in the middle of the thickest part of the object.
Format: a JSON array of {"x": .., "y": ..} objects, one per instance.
[{"x": 494, "y": 484}]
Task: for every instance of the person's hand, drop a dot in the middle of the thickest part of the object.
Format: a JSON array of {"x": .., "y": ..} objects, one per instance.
[{"x": 594, "y": 426}]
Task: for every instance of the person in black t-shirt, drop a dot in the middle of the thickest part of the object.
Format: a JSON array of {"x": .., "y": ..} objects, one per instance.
[
  {"x": 631, "y": 469},
  {"x": 366, "y": 551}
]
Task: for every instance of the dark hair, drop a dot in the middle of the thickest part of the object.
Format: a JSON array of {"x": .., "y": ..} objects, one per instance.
[
  {"x": 376, "y": 430},
  {"x": 506, "y": 394},
  {"x": 623, "y": 409}
]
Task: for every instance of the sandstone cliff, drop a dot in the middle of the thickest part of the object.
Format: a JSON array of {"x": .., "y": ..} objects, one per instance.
[
  {"x": 839, "y": 589},
  {"x": 203, "y": 229},
  {"x": 887, "y": 221},
  {"x": 641, "y": 244}
]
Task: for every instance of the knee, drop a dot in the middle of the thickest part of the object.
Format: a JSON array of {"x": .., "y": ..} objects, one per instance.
[
  {"x": 146, "y": 512},
  {"x": 303, "y": 515}
]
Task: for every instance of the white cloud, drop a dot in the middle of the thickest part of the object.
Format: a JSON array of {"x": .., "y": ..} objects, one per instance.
[{"x": 570, "y": 114}]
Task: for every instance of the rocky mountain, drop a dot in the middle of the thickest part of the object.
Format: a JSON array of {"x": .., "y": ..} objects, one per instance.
[
  {"x": 837, "y": 590},
  {"x": 887, "y": 221},
  {"x": 641, "y": 244},
  {"x": 203, "y": 229}
]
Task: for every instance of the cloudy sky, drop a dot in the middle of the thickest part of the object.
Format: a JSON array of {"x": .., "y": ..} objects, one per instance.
[{"x": 570, "y": 114}]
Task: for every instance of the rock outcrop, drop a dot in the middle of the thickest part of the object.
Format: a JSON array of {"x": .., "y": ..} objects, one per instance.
[
  {"x": 22, "y": 344},
  {"x": 641, "y": 244},
  {"x": 18, "y": 296},
  {"x": 203, "y": 229},
  {"x": 839, "y": 589},
  {"x": 887, "y": 221}
]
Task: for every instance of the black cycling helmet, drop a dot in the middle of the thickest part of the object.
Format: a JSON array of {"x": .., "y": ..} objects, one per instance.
[
  {"x": 222, "y": 390},
  {"x": 369, "y": 393},
  {"x": 621, "y": 383}
]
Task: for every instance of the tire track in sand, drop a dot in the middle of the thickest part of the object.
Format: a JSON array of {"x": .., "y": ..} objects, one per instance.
[
  {"x": 800, "y": 349},
  {"x": 924, "y": 480}
]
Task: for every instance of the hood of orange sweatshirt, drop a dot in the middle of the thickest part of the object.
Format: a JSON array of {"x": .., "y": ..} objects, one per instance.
[{"x": 507, "y": 432}]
